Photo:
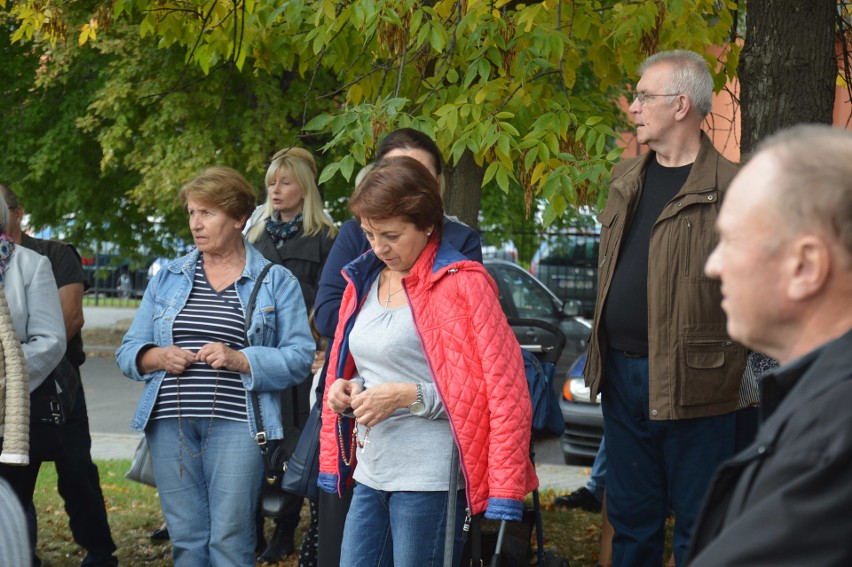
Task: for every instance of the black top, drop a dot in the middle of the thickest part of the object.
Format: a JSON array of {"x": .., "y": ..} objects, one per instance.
[
  {"x": 67, "y": 269},
  {"x": 303, "y": 255},
  {"x": 625, "y": 313}
]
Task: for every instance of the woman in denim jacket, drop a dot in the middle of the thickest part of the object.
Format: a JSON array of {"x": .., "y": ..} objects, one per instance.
[{"x": 187, "y": 344}]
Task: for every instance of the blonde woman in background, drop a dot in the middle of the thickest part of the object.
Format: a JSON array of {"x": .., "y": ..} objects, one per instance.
[{"x": 291, "y": 229}]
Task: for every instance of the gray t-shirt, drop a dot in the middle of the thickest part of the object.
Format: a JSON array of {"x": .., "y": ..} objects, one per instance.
[{"x": 403, "y": 452}]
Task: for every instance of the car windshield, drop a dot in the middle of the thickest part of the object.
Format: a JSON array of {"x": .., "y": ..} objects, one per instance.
[{"x": 531, "y": 301}]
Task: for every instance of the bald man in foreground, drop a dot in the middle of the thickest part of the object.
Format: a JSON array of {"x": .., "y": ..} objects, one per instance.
[{"x": 785, "y": 261}]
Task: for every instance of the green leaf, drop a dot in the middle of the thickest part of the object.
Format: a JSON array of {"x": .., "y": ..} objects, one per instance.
[
  {"x": 529, "y": 159},
  {"x": 328, "y": 172},
  {"x": 437, "y": 39},
  {"x": 319, "y": 123},
  {"x": 490, "y": 172},
  {"x": 347, "y": 164},
  {"x": 504, "y": 145}
]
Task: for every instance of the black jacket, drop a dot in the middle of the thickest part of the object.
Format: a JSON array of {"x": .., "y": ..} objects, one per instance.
[
  {"x": 303, "y": 255},
  {"x": 787, "y": 499}
]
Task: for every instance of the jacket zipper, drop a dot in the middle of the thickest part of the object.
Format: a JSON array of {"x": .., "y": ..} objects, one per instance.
[
  {"x": 462, "y": 468},
  {"x": 688, "y": 241},
  {"x": 338, "y": 372}
]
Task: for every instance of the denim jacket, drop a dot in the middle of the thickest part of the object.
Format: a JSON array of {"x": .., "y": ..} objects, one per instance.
[{"x": 280, "y": 348}]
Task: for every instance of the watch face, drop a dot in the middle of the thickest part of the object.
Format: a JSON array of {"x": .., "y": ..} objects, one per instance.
[{"x": 417, "y": 408}]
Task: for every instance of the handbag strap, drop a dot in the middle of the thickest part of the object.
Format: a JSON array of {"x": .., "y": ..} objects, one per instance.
[
  {"x": 452, "y": 503},
  {"x": 260, "y": 437}
]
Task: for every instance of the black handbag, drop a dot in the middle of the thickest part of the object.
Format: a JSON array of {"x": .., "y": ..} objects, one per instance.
[
  {"x": 302, "y": 470},
  {"x": 51, "y": 403},
  {"x": 50, "y": 407},
  {"x": 274, "y": 501}
]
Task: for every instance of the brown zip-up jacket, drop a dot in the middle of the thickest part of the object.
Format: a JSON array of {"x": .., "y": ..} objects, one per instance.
[{"x": 694, "y": 366}]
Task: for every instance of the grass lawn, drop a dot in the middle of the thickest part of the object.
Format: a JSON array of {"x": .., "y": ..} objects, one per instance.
[
  {"x": 134, "y": 512},
  {"x": 89, "y": 300}
]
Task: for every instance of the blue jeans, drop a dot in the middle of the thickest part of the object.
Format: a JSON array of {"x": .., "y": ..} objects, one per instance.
[
  {"x": 597, "y": 480},
  {"x": 210, "y": 509},
  {"x": 399, "y": 528},
  {"x": 651, "y": 462}
]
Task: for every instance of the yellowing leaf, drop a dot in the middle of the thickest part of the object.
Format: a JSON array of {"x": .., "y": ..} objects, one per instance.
[
  {"x": 356, "y": 94},
  {"x": 537, "y": 171},
  {"x": 480, "y": 96},
  {"x": 84, "y": 34}
]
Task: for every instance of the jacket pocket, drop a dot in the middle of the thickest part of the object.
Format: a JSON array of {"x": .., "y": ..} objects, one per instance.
[
  {"x": 162, "y": 321},
  {"x": 268, "y": 327},
  {"x": 699, "y": 239},
  {"x": 711, "y": 370},
  {"x": 609, "y": 220}
]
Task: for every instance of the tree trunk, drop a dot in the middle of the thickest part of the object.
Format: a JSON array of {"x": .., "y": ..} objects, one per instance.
[
  {"x": 787, "y": 67},
  {"x": 463, "y": 193}
]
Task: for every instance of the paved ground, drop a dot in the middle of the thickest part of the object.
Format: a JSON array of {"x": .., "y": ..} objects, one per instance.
[{"x": 111, "y": 399}]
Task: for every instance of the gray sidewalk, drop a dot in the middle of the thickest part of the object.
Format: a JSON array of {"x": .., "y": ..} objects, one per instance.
[{"x": 105, "y": 317}]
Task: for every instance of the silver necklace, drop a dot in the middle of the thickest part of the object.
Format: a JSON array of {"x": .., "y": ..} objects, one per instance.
[{"x": 227, "y": 278}]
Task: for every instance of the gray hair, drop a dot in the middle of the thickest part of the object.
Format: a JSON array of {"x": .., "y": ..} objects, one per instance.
[
  {"x": 690, "y": 76},
  {"x": 814, "y": 180}
]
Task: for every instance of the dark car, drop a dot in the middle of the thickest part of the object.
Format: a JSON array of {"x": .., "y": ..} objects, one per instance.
[
  {"x": 583, "y": 417},
  {"x": 566, "y": 262},
  {"x": 522, "y": 296}
]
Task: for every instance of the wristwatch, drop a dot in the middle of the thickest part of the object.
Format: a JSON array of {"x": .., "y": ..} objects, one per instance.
[{"x": 418, "y": 407}]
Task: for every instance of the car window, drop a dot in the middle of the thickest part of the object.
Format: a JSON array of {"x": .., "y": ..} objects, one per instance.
[
  {"x": 530, "y": 299},
  {"x": 505, "y": 304},
  {"x": 571, "y": 249}
]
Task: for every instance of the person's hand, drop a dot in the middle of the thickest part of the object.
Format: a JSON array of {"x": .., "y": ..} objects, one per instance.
[
  {"x": 340, "y": 395},
  {"x": 375, "y": 404},
  {"x": 174, "y": 359},
  {"x": 319, "y": 360},
  {"x": 219, "y": 355}
]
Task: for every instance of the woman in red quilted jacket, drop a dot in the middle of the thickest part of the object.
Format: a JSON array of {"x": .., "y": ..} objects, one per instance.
[{"x": 424, "y": 363}]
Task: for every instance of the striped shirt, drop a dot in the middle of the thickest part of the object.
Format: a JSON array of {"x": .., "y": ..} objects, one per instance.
[{"x": 201, "y": 391}]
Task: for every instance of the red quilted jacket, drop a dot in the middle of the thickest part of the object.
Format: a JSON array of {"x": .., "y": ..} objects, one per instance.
[{"x": 477, "y": 369}]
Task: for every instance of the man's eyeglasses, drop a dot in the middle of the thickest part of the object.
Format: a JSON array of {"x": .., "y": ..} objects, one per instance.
[{"x": 643, "y": 97}]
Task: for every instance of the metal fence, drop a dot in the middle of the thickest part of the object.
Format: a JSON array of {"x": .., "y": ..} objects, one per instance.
[{"x": 115, "y": 287}]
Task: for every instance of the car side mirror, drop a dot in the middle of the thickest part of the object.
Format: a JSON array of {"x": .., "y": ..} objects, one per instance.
[{"x": 572, "y": 308}]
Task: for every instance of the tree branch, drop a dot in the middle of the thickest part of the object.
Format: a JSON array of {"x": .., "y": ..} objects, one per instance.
[
  {"x": 399, "y": 73},
  {"x": 534, "y": 78},
  {"x": 445, "y": 60}
]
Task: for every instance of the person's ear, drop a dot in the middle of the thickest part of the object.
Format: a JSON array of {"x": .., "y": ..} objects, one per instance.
[
  {"x": 809, "y": 266},
  {"x": 682, "y": 106}
]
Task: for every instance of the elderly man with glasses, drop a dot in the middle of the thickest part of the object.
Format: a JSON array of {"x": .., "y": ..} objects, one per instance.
[{"x": 660, "y": 354}]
